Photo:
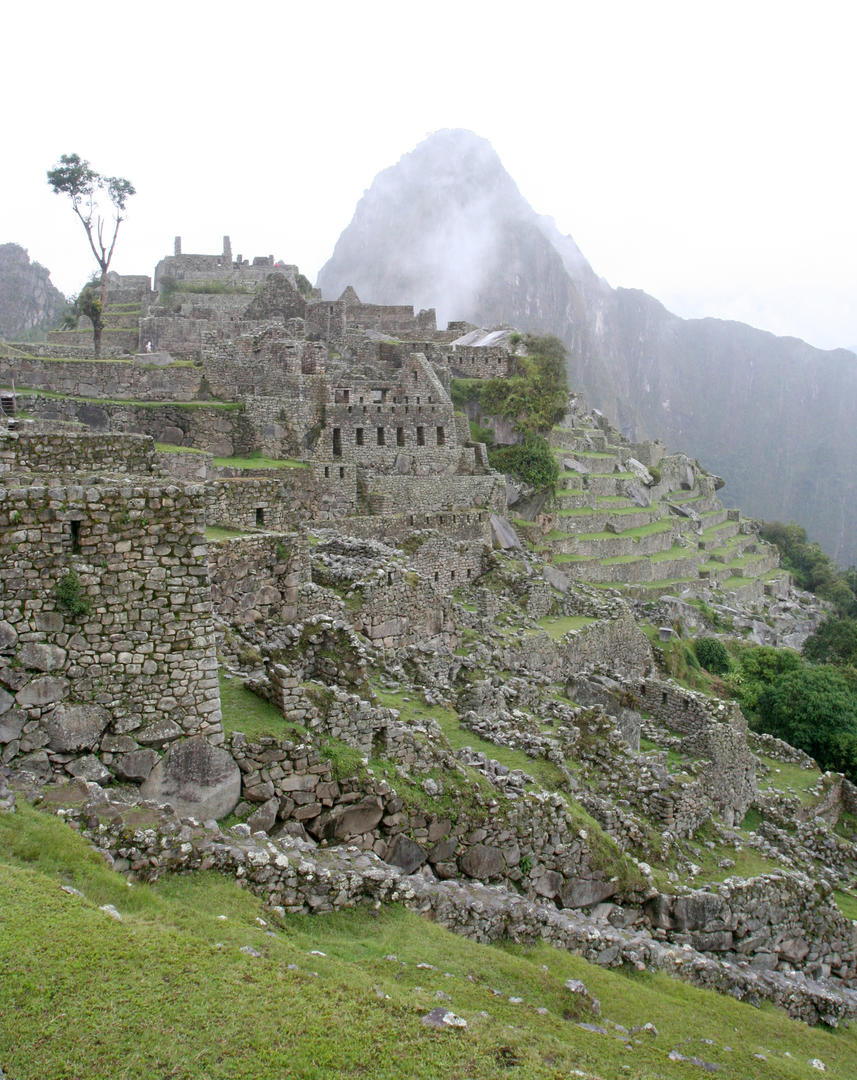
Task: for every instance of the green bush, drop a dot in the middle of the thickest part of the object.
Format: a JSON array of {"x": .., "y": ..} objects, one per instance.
[
  {"x": 712, "y": 654},
  {"x": 69, "y": 596},
  {"x": 530, "y": 461}
]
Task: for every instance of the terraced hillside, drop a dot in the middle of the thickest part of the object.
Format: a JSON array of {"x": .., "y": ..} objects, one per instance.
[{"x": 628, "y": 516}]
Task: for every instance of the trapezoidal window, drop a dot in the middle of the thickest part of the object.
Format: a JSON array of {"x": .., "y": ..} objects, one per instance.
[
  {"x": 421, "y": 436},
  {"x": 358, "y": 436},
  {"x": 260, "y": 516},
  {"x": 400, "y": 436},
  {"x": 74, "y": 530},
  {"x": 381, "y": 436},
  {"x": 440, "y": 436},
  {"x": 337, "y": 442}
]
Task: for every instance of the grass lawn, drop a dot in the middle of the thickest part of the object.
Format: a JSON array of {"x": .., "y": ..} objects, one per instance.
[{"x": 167, "y": 992}]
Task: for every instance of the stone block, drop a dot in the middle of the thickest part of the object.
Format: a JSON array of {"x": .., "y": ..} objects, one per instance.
[
  {"x": 482, "y": 861},
  {"x": 199, "y": 780},
  {"x": 136, "y": 766},
  {"x": 75, "y": 727},
  {"x": 405, "y": 853},
  {"x": 44, "y": 690}
]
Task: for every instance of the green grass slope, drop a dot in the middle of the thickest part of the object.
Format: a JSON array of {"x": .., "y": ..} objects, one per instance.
[{"x": 168, "y": 992}]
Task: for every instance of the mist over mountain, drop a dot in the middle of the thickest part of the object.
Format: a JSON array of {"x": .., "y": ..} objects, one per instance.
[
  {"x": 447, "y": 227},
  {"x": 28, "y": 299}
]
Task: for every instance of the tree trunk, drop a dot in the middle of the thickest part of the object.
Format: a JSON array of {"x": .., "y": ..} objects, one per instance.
[{"x": 98, "y": 324}]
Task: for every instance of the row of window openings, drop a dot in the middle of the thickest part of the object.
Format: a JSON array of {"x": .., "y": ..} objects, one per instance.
[
  {"x": 381, "y": 438},
  {"x": 393, "y": 408},
  {"x": 342, "y": 396}
]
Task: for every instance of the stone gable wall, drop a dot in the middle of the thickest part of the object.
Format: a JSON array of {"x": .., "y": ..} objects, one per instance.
[{"x": 109, "y": 689}]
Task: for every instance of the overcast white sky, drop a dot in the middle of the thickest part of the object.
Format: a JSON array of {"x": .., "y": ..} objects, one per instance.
[{"x": 704, "y": 152}]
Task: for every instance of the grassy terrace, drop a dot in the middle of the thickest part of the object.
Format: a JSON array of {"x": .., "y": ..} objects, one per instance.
[
  {"x": 105, "y": 360},
  {"x": 557, "y": 626},
  {"x": 218, "y": 532},
  {"x": 27, "y": 391},
  {"x": 790, "y": 779},
  {"x": 258, "y": 461},
  {"x": 167, "y": 992}
]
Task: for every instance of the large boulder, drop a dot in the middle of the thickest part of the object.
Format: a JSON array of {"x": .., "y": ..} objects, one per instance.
[
  {"x": 75, "y": 727},
  {"x": 482, "y": 861},
  {"x": 197, "y": 779}
]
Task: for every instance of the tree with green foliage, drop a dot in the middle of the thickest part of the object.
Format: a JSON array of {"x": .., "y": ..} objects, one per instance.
[
  {"x": 74, "y": 177},
  {"x": 712, "y": 654},
  {"x": 814, "y": 708},
  {"x": 834, "y": 642},
  {"x": 760, "y": 666}
]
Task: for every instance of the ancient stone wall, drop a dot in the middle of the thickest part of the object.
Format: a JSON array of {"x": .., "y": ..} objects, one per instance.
[
  {"x": 78, "y": 452},
  {"x": 477, "y": 362},
  {"x": 256, "y": 579},
  {"x": 390, "y": 494},
  {"x": 280, "y": 501},
  {"x": 103, "y": 378},
  {"x": 107, "y": 638},
  {"x": 224, "y": 432}
]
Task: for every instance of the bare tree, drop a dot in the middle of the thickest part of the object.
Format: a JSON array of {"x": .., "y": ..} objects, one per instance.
[{"x": 74, "y": 177}]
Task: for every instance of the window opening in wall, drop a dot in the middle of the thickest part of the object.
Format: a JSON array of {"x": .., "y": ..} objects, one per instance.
[
  {"x": 418, "y": 399},
  {"x": 327, "y": 471},
  {"x": 74, "y": 527},
  {"x": 358, "y": 436},
  {"x": 440, "y": 436},
  {"x": 468, "y": 574},
  {"x": 400, "y": 436},
  {"x": 341, "y": 472},
  {"x": 663, "y": 697},
  {"x": 337, "y": 442},
  {"x": 452, "y": 575},
  {"x": 260, "y": 516},
  {"x": 421, "y": 436},
  {"x": 380, "y": 436},
  {"x": 435, "y": 575}
]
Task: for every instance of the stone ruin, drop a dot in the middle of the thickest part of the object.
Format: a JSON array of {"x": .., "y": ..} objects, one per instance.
[{"x": 377, "y": 556}]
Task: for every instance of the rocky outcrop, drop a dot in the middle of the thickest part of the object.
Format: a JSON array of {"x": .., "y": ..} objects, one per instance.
[{"x": 28, "y": 300}]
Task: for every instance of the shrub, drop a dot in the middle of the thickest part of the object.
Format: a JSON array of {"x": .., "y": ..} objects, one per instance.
[
  {"x": 530, "y": 461},
  {"x": 69, "y": 596},
  {"x": 712, "y": 654}
]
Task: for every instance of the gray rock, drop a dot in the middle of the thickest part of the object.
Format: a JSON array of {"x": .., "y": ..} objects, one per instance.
[
  {"x": 75, "y": 727},
  {"x": 571, "y": 465},
  {"x": 581, "y": 892},
  {"x": 41, "y": 657},
  {"x": 503, "y": 534},
  {"x": 8, "y": 636},
  {"x": 6, "y": 703},
  {"x": 443, "y": 1020},
  {"x": 44, "y": 690},
  {"x": 355, "y": 819},
  {"x": 264, "y": 817},
  {"x": 89, "y": 767},
  {"x": 640, "y": 471},
  {"x": 482, "y": 861},
  {"x": 556, "y": 578},
  {"x": 158, "y": 733},
  {"x": 136, "y": 766},
  {"x": 405, "y": 853},
  {"x": 637, "y": 493},
  {"x": 12, "y": 722},
  {"x": 199, "y": 780}
]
